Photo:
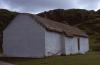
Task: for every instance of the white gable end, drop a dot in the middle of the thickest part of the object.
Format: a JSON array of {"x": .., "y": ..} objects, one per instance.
[{"x": 24, "y": 38}]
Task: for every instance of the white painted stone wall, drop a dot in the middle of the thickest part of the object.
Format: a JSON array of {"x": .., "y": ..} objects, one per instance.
[
  {"x": 24, "y": 38},
  {"x": 74, "y": 46},
  {"x": 52, "y": 44},
  {"x": 84, "y": 45},
  {"x": 68, "y": 45},
  {"x": 71, "y": 45}
]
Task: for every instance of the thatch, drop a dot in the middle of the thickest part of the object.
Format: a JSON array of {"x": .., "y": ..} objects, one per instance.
[
  {"x": 54, "y": 26},
  {"x": 59, "y": 27}
]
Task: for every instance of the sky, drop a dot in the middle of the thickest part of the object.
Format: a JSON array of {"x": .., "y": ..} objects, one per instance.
[{"x": 37, "y": 6}]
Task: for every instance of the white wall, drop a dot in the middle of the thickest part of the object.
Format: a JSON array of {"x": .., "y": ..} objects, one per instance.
[
  {"x": 71, "y": 45},
  {"x": 52, "y": 43},
  {"x": 84, "y": 45},
  {"x": 68, "y": 45},
  {"x": 74, "y": 45},
  {"x": 24, "y": 38}
]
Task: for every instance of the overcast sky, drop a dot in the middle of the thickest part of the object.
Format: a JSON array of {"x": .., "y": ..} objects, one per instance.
[{"x": 36, "y": 6}]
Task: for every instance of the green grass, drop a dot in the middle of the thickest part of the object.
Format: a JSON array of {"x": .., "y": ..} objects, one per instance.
[{"x": 92, "y": 58}]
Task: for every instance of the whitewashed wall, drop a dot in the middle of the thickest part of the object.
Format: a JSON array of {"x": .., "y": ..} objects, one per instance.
[
  {"x": 84, "y": 45},
  {"x": 74, "y": 45},
  {"x": 68, "y": 45},
  {"x": 71, "y": 45},
  {"x": 52, "y": 44},
  {"x": 24, "y": 38}
]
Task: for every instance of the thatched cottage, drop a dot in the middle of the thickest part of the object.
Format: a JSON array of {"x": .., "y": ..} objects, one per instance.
[{"x": 36, "y": 37}]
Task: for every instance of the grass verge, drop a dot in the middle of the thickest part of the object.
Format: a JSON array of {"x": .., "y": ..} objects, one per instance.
[{"x": 92, "y": 58}]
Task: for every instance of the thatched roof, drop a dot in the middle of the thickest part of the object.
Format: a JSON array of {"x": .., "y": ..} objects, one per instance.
[{"x": 54, "y": 26}]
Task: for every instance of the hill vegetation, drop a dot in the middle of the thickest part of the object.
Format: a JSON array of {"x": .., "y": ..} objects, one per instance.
[{"x": 87, "y": 20}]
